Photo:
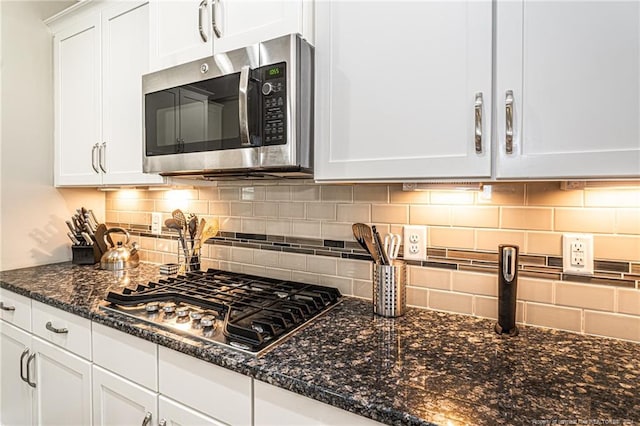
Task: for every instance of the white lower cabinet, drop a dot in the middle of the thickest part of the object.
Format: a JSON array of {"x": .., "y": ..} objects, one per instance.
[
  {"x": 16, "y": 395},
  {"x": 276, "y": 406},
  {"x": 62, "y": 386},
  {"x": 175, "y": 414},
  {"x": 117, "y": 401}
]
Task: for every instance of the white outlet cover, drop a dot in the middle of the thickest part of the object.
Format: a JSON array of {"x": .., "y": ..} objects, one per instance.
[
  {"x": 156, "y": 223},
  {"x": 587, "y": 243},
  {"x": 414, "y": 241}
]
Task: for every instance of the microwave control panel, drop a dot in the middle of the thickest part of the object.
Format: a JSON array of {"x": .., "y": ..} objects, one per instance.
[{"x": 274, "y": 104}]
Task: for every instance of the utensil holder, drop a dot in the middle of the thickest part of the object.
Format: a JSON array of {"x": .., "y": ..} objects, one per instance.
[
  {"x": 390, "y": 289},
  {"x": 187, "y": 258},
  {"x": 85, "y": 254}
]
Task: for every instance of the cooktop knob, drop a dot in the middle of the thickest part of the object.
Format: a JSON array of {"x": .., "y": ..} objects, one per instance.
[
  {"x": 182, "y": 312},
  {"x": 267, "y": 89},
  {"x": 207, "y": 321},
  {"x": 152, "y": 307},
  {"x": 169, "y": 308},
  {"x": 196, "y": 316}
]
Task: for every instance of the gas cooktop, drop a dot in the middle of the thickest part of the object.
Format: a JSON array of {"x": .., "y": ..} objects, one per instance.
[{"x": 245, "y": 312}]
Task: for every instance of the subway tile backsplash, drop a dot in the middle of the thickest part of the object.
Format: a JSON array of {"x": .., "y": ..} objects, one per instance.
[{"x": 299, "y": 230}]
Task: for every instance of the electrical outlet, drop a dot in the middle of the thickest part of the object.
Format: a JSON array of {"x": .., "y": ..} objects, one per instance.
[
  {"x": 156, "y": 223},
  {"x": 577, "y": 254},
  {"x": 415, "y": 242}
]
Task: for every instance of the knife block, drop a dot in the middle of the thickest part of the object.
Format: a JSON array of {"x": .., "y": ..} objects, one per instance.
[{"x": 85, "y": 254}]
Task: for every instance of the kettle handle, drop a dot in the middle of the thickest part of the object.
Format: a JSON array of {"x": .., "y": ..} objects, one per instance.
[{"x": 119, "y": 230}]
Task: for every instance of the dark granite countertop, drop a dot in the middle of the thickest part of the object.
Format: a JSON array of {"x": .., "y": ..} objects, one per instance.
[{"x": 424, "y": 368}]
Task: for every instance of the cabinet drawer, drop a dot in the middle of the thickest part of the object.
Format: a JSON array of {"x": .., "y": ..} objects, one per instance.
[
  {"x": 66, "y": 330},
  {"x": 16, "y": 309},
  {"x": 215, "y": 391},
  {"x": 126, "y": 355}
]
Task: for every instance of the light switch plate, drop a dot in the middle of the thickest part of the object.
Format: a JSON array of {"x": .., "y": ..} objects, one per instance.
[
  {"x": 156, "y": 223},
  {"x": 577, "y": 254}
]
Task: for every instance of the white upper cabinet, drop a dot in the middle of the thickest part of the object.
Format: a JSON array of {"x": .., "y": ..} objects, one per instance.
[
  {"x": 403, "y": 89},
  {"x": 187, "y": 30},
  {"x": 573, "y": 69},
  {"x": 99, "y": 59}
]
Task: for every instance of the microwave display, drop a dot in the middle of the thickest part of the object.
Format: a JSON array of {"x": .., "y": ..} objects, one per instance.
[{"x": 274, "y": 91}]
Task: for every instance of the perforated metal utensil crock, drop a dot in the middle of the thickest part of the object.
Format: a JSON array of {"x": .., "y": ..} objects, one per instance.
[{"x": 389, "y": 289}]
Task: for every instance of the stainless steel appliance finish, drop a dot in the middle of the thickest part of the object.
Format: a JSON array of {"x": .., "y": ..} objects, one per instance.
[
  {"x": 233, "y": 134},
  {"x": 507, "y": 289},
  {"x": 389, "y": 289},
  {"x": 245, "y": 312}
]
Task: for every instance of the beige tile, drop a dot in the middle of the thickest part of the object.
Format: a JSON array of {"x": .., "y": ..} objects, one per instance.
[
  {"x": 241, "y": 255},
  {"x": 520, "y": 310},
  {"x": 292, "y": 261},
  {"x": 133, "y": 204},
  {"x": 430, "y": 277},
  {"x": 167, "y": 246},
  {"x": 584, "y": 296},
  {"x": 229, "y": 194},
  {"x": 278, "y": 227},
  {"x": 337, "y": 231},
  {"x": 451, "y": 302},
  {"x": 584, "y": 220},
  {"x": 219, "y": 252},
  {"x": 198, "y": 207},
  {"x": 219, "y": 208},
  {"x": 304, "y": 277},
  {"x": 354, "y": 213},
  {"x": 345, "y": 285},
  {"x": 253, "y": 270},
  {"x": 291, "y": 210},
  {"x": 550, "y": 194},
  {"x": 430, "y": 215},
  {"x": 140, "y": 218},
  {"x": 469, "y": 282},
  {"x": 398, "y": 196},
  {"x": 253, "y": 193},
  {"x": 533, "y": 290},
  {"x": 381, "y": 213},
  {"x": 358, "y": 269},
  {"x": 612, "y": 198},
  {"x": 486, "y": 307},
  {"x": 368, "y": 193},
  {"x": 146, "y": 243},
  {"x": 363, "y": 288},
  {"x": 451, "y": 237},
  {"x": 452, "y": 197},
  {"x": 254, "y": 226},
  {"x": 265, "y": 209},
  {"x": 305, "y": 228},
  {"x": 490, "y": 240},
  {"x": 338, "y": 193},
  {"x": 616, "y": 247},
  {"x": 628, "y": 221},
  {"x": 479, "y": 217},
  {"x": 554, "y": 317},
  {"x": 322, "y": 265},
  {"x": 544, "y": 243},
  {"x": 321, "y": 211},
  {"x": 278, "y": 193},
  {"x": 305, "y": 193},
  {"x": 504, "y": 194},
  {"x": 417, "y": 297},
  {"x": 530, "y": 218},
  {"x": 612, "y": 325},
  {"x": 629, "y": 301},
  {"x": 209, "y": 194},
  {"x": 279, "y": 274},
  {"x": 111, "y": 216},
  {"x": 241, "y": 209},
  {"x": 265, "y": 258}
]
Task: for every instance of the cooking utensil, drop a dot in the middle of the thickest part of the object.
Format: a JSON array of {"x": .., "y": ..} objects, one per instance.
[
  {"x": 392, "y": 245},
  {"x": 378, "y": 245},
  {"x": 179, "y": 218},
  {"x": 87, "y": 238},
  {"x": 120, "y": 256},
  {"x": 364, "y": 236},
  {"x": 73, "y": 238},
  {"x": 100, "y": 241},
  {"x": 174, "y": 224}
]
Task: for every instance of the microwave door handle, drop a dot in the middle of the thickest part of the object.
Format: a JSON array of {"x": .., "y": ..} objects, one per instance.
[{"x": 243, "y": 106}]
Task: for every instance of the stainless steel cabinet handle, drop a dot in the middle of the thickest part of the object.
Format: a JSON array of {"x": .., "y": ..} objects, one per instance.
[
  {"x": 7, "y": 308},
  {"x": 214, "y": 23},
  {"x": 32, "y": 357},
  {"x": 509, "y": 121},
  {"x": 243, "y": 105},
  {"x": 147, "y": 419},
  {"x": 22, "y": 376},
  {"x": 162, "y": 422},
  {"x": 93, "y": 158},
  {"x": 103, "y": 157},
  {"x": 56, "y": 330},
  {"x": 478, "y": 119},
  {"x": 201, "y": 8}
]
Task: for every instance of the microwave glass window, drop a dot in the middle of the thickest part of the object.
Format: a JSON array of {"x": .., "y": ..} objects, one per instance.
[{"x": 198, "y": 117}]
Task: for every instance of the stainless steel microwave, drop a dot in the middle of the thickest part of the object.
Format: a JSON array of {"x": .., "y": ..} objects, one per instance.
[{"x": 243, "y": 113}]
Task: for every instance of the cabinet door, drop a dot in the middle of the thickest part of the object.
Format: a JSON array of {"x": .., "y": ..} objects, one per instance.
[
  {"x": 77, "y": 103},
  {"x": 396, "y": 89},
  {"x": 175, "y": 414},
  {"x": 125, "y": 58},
  {"x": 117, "y": 401},
  {"x": 15, "y": 394},
  {"x": 63, "y": 386},
  {"x": 175, "y": 34},
  {"x": 574, "y": 71},
  {"x": 245, "y": 22}
]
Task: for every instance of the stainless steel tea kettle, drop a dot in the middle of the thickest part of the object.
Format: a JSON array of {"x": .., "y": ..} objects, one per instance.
[{"x": 119, "y": 256}]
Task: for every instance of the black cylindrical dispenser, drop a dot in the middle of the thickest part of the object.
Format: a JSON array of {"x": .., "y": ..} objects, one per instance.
[{"x": 507, "y": 288}]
